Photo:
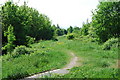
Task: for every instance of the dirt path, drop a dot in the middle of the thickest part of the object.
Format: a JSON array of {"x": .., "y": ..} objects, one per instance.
[
  {"x": 73, "y": 61},
  {"x": 65, "y": 70}
]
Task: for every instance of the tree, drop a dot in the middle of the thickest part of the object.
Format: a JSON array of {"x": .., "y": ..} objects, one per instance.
[
  {"x": 106, "y": 21},
  {"x": 76, "y": 30},
  {"x": 65, "y": 31},
  {"x": 11, "y": 38},
  {"x": 26, "y": 22},
  {"x": 70, "y": 29},
  {"x": 59, "y": 32},
  {"x": 10, "y": 16},
  {"x": 58, "y": 26},
  {"x": 85, "y": 28}
]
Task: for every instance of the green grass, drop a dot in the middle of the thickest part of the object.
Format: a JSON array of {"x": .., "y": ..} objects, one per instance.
[
  {"x": 96, "y": 62},
  {"x": 48, "y": 55},
  {"x": 92, "y": 72}
]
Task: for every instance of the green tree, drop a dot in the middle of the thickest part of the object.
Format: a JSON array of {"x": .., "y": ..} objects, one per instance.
[
  {"x": 59, "y": 32},
  {"x": 85, "y": 28},
  {"x": 26, "y": 22},
  {"x": 106, "y": 21},
  {"x": 10, "y": 16},
  {"x": 76, "y": 30},
  {"x": 10, "y": 38},
  {"x": 70, "y": 29},
  {"x": 65, "y": 31},
  {"x": 45, "y": 30}
]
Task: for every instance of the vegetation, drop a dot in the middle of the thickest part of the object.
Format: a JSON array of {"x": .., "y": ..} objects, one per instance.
[
  {"x": 10, "y": 38},
  {"x": 70, "y": 29},
  {"x": 113, "y": 42},
  {"x": 26, "y": 21},
  {"x": 85, "y": 28},
  {"x": 20, "y": 50},
  {"x": 42, "y": 56},
  {"x": 70, "y": 36},
  {"x": 58, "y": 31},
  {"x": 105, "y": 20},
  {"x": 31, "y": 44},
  {"x": 94, "y": 61}
]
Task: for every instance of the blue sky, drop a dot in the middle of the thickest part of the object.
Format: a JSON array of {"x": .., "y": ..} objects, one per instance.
[{"x": 64, "y": 12}]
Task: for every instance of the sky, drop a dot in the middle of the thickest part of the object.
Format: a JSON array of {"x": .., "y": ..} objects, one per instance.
[{"x": 63, "y": 12}]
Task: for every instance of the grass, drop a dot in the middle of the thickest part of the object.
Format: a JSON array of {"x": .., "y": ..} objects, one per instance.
[
  {"x": 96, "y": 62},
  {"x": 48, "y": 55},
  {"x": 92, "y": 72}
]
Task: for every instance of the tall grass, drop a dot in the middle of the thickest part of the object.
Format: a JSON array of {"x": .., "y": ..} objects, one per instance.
[
  {"x": 96, "y": 62},
  {"x": 47, "y": 55}
]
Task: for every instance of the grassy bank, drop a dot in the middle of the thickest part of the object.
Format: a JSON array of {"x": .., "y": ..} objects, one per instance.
[
  {"x": 46, "y": 55},
  {"x": 95, "y": 62}
]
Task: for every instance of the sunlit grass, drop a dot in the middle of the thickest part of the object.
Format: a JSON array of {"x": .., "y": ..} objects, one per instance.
[
  {"x": 95, "y": 62},
  {"x": 48, "y": 55}
]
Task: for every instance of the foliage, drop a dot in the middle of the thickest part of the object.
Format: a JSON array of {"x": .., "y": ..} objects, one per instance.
[
  {"x": 70, "y": 29},
  {"x": 70, "y": 36},
  {"x": 52, "y": 56},
  {"x": 49, "y": 55},
  {"x": 59, "y": 32},
  {"x": 54, "y": 39},
  {"x": 113, "y": 42},
  {"x": 20, "y": 50},
  {"x": 85, "y": 28},
  {"x": 65, "y": 31},
  {"x": 76, "y": 30},
  {"x": 30, "y": 40},
  {"x": 10, "y": 38},
  {"x": 105, "y": 20},
  {"x": 96, "y": 63},
  {"x": 26, "y": 22},
  {"x": 11, "y": 17}
]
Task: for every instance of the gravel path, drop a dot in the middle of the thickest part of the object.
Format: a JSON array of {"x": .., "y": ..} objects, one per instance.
[{"x": 65, "y": 70}]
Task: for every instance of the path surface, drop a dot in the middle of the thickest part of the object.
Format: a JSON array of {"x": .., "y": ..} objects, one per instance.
[{"x": 65, "y": 70}]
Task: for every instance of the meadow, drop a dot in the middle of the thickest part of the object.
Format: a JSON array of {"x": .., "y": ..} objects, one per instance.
[
  {"x": 32, "y": 44},
  {"x": 96, "y": 62},
  {"x": 45, "y": 56},
  {"x": 49, "y": 55}
]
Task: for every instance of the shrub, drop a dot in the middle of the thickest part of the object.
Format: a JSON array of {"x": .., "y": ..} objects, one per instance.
[
  {"x": 10, "y": 38},
  {"x": 17, "y": 75},
  {"x": 111, "y": 43},
  {"x": 104, "y": 63},
  {"x": 54, "y": 39},
  {"x": 20, "y": 50},
  {"x": 30, "y": 40},
  {"x": 70, "y": 36}
]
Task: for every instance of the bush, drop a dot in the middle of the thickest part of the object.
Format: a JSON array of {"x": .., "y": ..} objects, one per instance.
[
  {"x": 30, "y": 40},
  {"x": 54, "y": 39},
  {"x": 70, "y": 36},
  {"x": 20, "y": 50},
  {"x": 111, "y": 43}
]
